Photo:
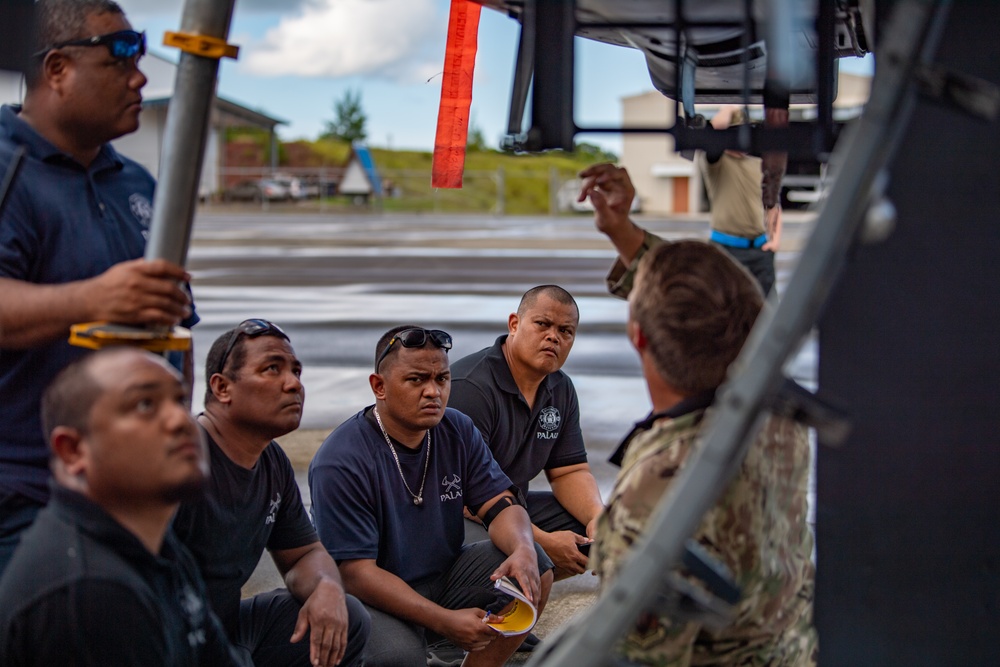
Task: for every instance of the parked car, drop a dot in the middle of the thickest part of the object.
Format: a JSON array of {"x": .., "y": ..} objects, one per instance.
[
  {"x": 256, "y": 191},
  {"x": 314, "y": 188},
  {"x": 291, "y": 184}
]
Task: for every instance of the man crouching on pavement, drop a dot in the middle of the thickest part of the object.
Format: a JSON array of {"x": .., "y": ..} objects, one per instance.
[
  {"x": 388, "y": 490},
  {"x": 254, "y": 395},
  {"x": 99, "y": 578}
]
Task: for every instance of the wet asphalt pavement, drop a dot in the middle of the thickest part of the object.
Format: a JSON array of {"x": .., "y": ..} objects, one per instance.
[{"x": 336, "y": 282}]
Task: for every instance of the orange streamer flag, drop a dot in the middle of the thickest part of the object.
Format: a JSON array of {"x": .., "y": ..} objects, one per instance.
[{"x": 456, "y": 95}]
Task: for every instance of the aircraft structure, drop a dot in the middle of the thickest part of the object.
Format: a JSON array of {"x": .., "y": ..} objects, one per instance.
[{"x": 899, "y": 277}]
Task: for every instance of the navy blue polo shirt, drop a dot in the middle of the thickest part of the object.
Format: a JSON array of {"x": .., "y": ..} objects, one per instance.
[
  {"x": 61, "y": 222},
  {"x": 524, "y": 440}
]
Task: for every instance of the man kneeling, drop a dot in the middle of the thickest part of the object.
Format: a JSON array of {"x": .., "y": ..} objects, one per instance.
[
  {"x": 253, "y": 395},
  {"x": 388, "y": 489}
]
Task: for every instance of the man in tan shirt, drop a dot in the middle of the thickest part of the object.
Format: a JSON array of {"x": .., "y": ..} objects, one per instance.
[
  {"x": 733, "y": 181},
  {"x": 739, "y": 222}
]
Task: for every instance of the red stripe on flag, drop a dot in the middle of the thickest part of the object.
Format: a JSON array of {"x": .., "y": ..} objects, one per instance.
[{"x": 456, "y": 95}]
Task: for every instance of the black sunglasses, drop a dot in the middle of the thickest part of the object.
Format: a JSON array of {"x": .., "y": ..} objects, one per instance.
[
  {"x": 250, "y": 329},
  {"x": 123, "y": 44},
  {"x": 416, "y": 338}
]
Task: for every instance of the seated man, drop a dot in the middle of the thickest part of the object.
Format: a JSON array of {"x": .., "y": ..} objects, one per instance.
[
  {"x": 527, "y": 410},
  {"x": 691, "y": 310},
  {"x": 388, "y": 490},
  {"x": 100, "y": 579},
  {"x": 252, "y": 502}
]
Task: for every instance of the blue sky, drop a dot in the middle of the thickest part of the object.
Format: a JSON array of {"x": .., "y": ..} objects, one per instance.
[{"x": 298, "y": 56}]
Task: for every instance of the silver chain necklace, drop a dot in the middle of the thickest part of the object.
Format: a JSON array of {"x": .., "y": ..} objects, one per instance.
[{"x": 418, "y": 497}]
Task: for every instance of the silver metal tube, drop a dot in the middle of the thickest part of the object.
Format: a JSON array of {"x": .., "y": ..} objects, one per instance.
[{"x": 186, "y": 133}]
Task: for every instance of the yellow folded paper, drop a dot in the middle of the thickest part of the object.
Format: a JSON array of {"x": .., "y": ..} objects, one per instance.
[{"x": 519, "y": 616}]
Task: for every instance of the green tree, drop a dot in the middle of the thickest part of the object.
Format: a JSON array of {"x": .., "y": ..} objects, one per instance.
[
  {"x": 594, "y": 153},
  {"x": 476, "y": 140},
  {"x": 349, "y": 119}
]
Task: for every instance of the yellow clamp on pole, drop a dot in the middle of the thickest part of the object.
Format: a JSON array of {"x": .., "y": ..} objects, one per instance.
[
  {"x": 201, "y": 45},
  {"x": 97, "y": 335}
]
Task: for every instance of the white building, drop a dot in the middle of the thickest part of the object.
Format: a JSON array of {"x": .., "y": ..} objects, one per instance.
[
  {"x": 669, "y": 183},
  {"x": 145, "y": 145}
]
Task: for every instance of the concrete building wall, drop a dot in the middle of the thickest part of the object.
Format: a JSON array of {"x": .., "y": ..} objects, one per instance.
[
  {"x": 661, "y": 176},
  {"x": 11, "y": 89},
  {"x": 650, "y": 158},
  {"x": 145, "y": 145}
]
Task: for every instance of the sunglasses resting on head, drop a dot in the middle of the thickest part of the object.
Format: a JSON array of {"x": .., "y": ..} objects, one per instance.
[
  {"x": 416, "y": 337},
  {"x": 251, "y": 329}
]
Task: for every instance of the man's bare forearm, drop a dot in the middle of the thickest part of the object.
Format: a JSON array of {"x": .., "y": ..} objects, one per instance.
[
  {"x": 311, "y": 567},
  {"x": 578, "y": 493},
  {"x": 33, "y": 315},
  {"x": 385, "y": 591}
]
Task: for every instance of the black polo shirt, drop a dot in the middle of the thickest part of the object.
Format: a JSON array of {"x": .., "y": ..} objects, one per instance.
[
  {"x": 524, "y": 440},
  {"x": 83, "y": 590}
]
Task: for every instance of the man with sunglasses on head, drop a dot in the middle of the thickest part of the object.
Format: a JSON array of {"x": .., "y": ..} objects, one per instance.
[
  {"x": 388, "y": 488},
  {"x": 254, "y": 394},
  {"x": 73, "y": 226},
  {"x": 528, "y": 411}
]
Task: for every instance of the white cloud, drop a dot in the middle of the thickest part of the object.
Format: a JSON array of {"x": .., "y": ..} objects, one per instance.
[
  {"x": 150, "y": 7},
  {"x": 394, "y": 39}
]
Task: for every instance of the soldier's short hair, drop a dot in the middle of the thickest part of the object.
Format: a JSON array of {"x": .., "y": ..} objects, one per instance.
[{"x": 695, "y": 305}]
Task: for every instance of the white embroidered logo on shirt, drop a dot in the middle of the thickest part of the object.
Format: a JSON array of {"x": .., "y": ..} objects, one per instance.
[
  {"x": 452, "y": 488},
  {"x": 194, "y": 610},
  {"x": 141, "y": 208},
  {"x": 549, "y": 418},
  {"x": 272, "y": 510}
]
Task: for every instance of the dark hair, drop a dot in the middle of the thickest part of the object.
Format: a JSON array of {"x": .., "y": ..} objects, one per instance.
[
  {"x": 383, "y": 343},
  {"x": 554, "y": 292},
  {"x": 68, "y": 399},
  {"x": 61, "y": 21},
  {"x": 695, "y": 306},
  {"x": 237, "y": 358}
]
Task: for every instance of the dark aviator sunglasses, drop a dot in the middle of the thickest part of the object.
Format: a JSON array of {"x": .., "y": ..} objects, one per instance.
[
  {"x": 251, "y": 329},
  {"x": 123, "y": 44},
  {"x": 416, "y": 338}
]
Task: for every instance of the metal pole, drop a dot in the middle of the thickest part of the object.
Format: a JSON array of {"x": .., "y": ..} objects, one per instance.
[
  {"x": 186, "y": 134},
  {"x": 501, "y": 192},
  {"x": 554, "y": 191}
]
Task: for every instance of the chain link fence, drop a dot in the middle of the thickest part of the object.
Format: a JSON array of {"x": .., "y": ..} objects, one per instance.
[{"x": 502, "y": 191}]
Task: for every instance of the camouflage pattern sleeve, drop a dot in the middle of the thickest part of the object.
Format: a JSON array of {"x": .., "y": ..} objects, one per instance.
[
  {"x": 620, "y": 277},
  {"x": 650, "y": 464},
  {"x": 758, "y": 529}
]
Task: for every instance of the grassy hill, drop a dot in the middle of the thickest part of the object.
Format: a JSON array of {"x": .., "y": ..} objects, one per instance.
[{"x": 493, "y": 181}]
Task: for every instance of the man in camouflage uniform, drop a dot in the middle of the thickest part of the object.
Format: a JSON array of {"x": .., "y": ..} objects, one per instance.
[{"x": 690, "y": 312}]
